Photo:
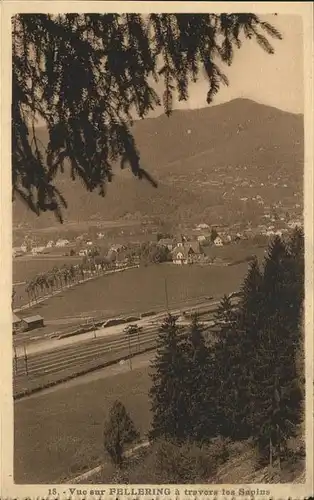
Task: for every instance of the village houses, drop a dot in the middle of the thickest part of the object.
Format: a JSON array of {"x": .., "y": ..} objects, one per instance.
[
  {"x": 187, "y": 252},
  {"x": 218, "y": 241},
  {"x": 201, "y": 238},
  {"x": 83, "y": 252},
  {"x": 117, "y": 248},
  {"x": 62, "y": 243},
  {"x": 202, "y": 226},
  {"x": 17, "y": 252},
  {"x": 38, "y": 250}
]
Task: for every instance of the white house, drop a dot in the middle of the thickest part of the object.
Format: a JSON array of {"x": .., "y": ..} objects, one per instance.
[
  {"x": 37, "y": 250},
  {"x": 89, "y": 243},
  {"x": 83, "y": 253},
  {"x": 16, "y": 252},
  {"x": 50, "y": 244},
  {"x": 203, "y": 237},
  {"x": 218, "y": 242},
  {"x": 293, "y": 224},
  {"x": 199, "y": 227},
  {"x": 100, "y": 236},
  {"x": 62, "y": 243},
  {"x": 182, "y": 255}
]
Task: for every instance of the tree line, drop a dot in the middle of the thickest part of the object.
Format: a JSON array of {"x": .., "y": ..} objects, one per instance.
[
  {"x": 242, "y": 379},
  {"x": 59, "y": 278}
]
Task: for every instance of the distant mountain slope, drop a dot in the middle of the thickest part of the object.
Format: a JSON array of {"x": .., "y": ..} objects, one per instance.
[
  {"x": 197, "y": 158},
  {"x": 230, "y": 131}
]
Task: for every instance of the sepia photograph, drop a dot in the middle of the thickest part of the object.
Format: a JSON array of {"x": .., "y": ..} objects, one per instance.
[{"x": 159, "y": 288}]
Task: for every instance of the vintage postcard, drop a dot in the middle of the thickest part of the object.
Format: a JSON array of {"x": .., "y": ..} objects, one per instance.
[{"x": 156, "y": 250}]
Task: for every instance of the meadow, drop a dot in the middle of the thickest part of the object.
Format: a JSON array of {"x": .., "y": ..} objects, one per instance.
[
  {"x": 236, "y": 251},
  {"x": 58, "y": 433},
  {"x": 25, "y": 268},
  {"x": 141, "y": 290}
]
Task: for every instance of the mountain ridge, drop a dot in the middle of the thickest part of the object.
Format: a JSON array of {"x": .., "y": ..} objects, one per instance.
[{"x": 183, "y": 153}]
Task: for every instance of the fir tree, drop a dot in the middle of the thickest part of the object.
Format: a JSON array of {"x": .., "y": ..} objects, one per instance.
[
  {"x": 296, "y": 244},
  {"x": 296, "y": 276},
  {"x": 226, "y": 368},
  {"x": 276, "y": 395},
  {"x": 119, "y": 431},
  {"x": 276, "y": 278},
  {"x": 225, "y": 315},
  {"x": 250, "y": 316},
  {"x": 283, "y": 294},
  {"x": 168, "y": 398},
  {"x": 251, "y": 297},
  {"x": 200, "y": 386}
]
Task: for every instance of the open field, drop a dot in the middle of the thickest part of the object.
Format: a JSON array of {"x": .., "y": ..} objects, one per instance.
[
  {"x": 25, "y": 268},
  {"x": 236, "y": 251},
  {"x": 60, "y": 431},
  {"x": 140, "y": 290}
]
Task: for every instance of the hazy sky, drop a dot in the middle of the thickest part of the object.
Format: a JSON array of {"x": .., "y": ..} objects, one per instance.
[{"x": 276, "y": 79}]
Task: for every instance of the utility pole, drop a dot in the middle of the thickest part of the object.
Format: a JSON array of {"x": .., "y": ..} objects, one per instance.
[
  {"x": 138, "y": 340},
  {"x": 26, "y": 362},
  {"x": 130, "y": 357}
]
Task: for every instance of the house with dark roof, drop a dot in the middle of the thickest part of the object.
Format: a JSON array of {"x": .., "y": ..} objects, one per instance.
[
  {"x": 187, "y": 252},
  {"x": 117, "y": 248},
  {"x": 32, "y": 322}
]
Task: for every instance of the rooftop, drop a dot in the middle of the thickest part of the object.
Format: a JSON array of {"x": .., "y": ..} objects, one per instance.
[
  {"x": 32, "y": 319},
  {"x": 16, "y": 319}
]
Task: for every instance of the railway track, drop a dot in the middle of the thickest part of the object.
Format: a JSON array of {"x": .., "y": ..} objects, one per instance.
[
  {"x": 79, "y": 354},
  {"x": 83, "y": 356}
]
